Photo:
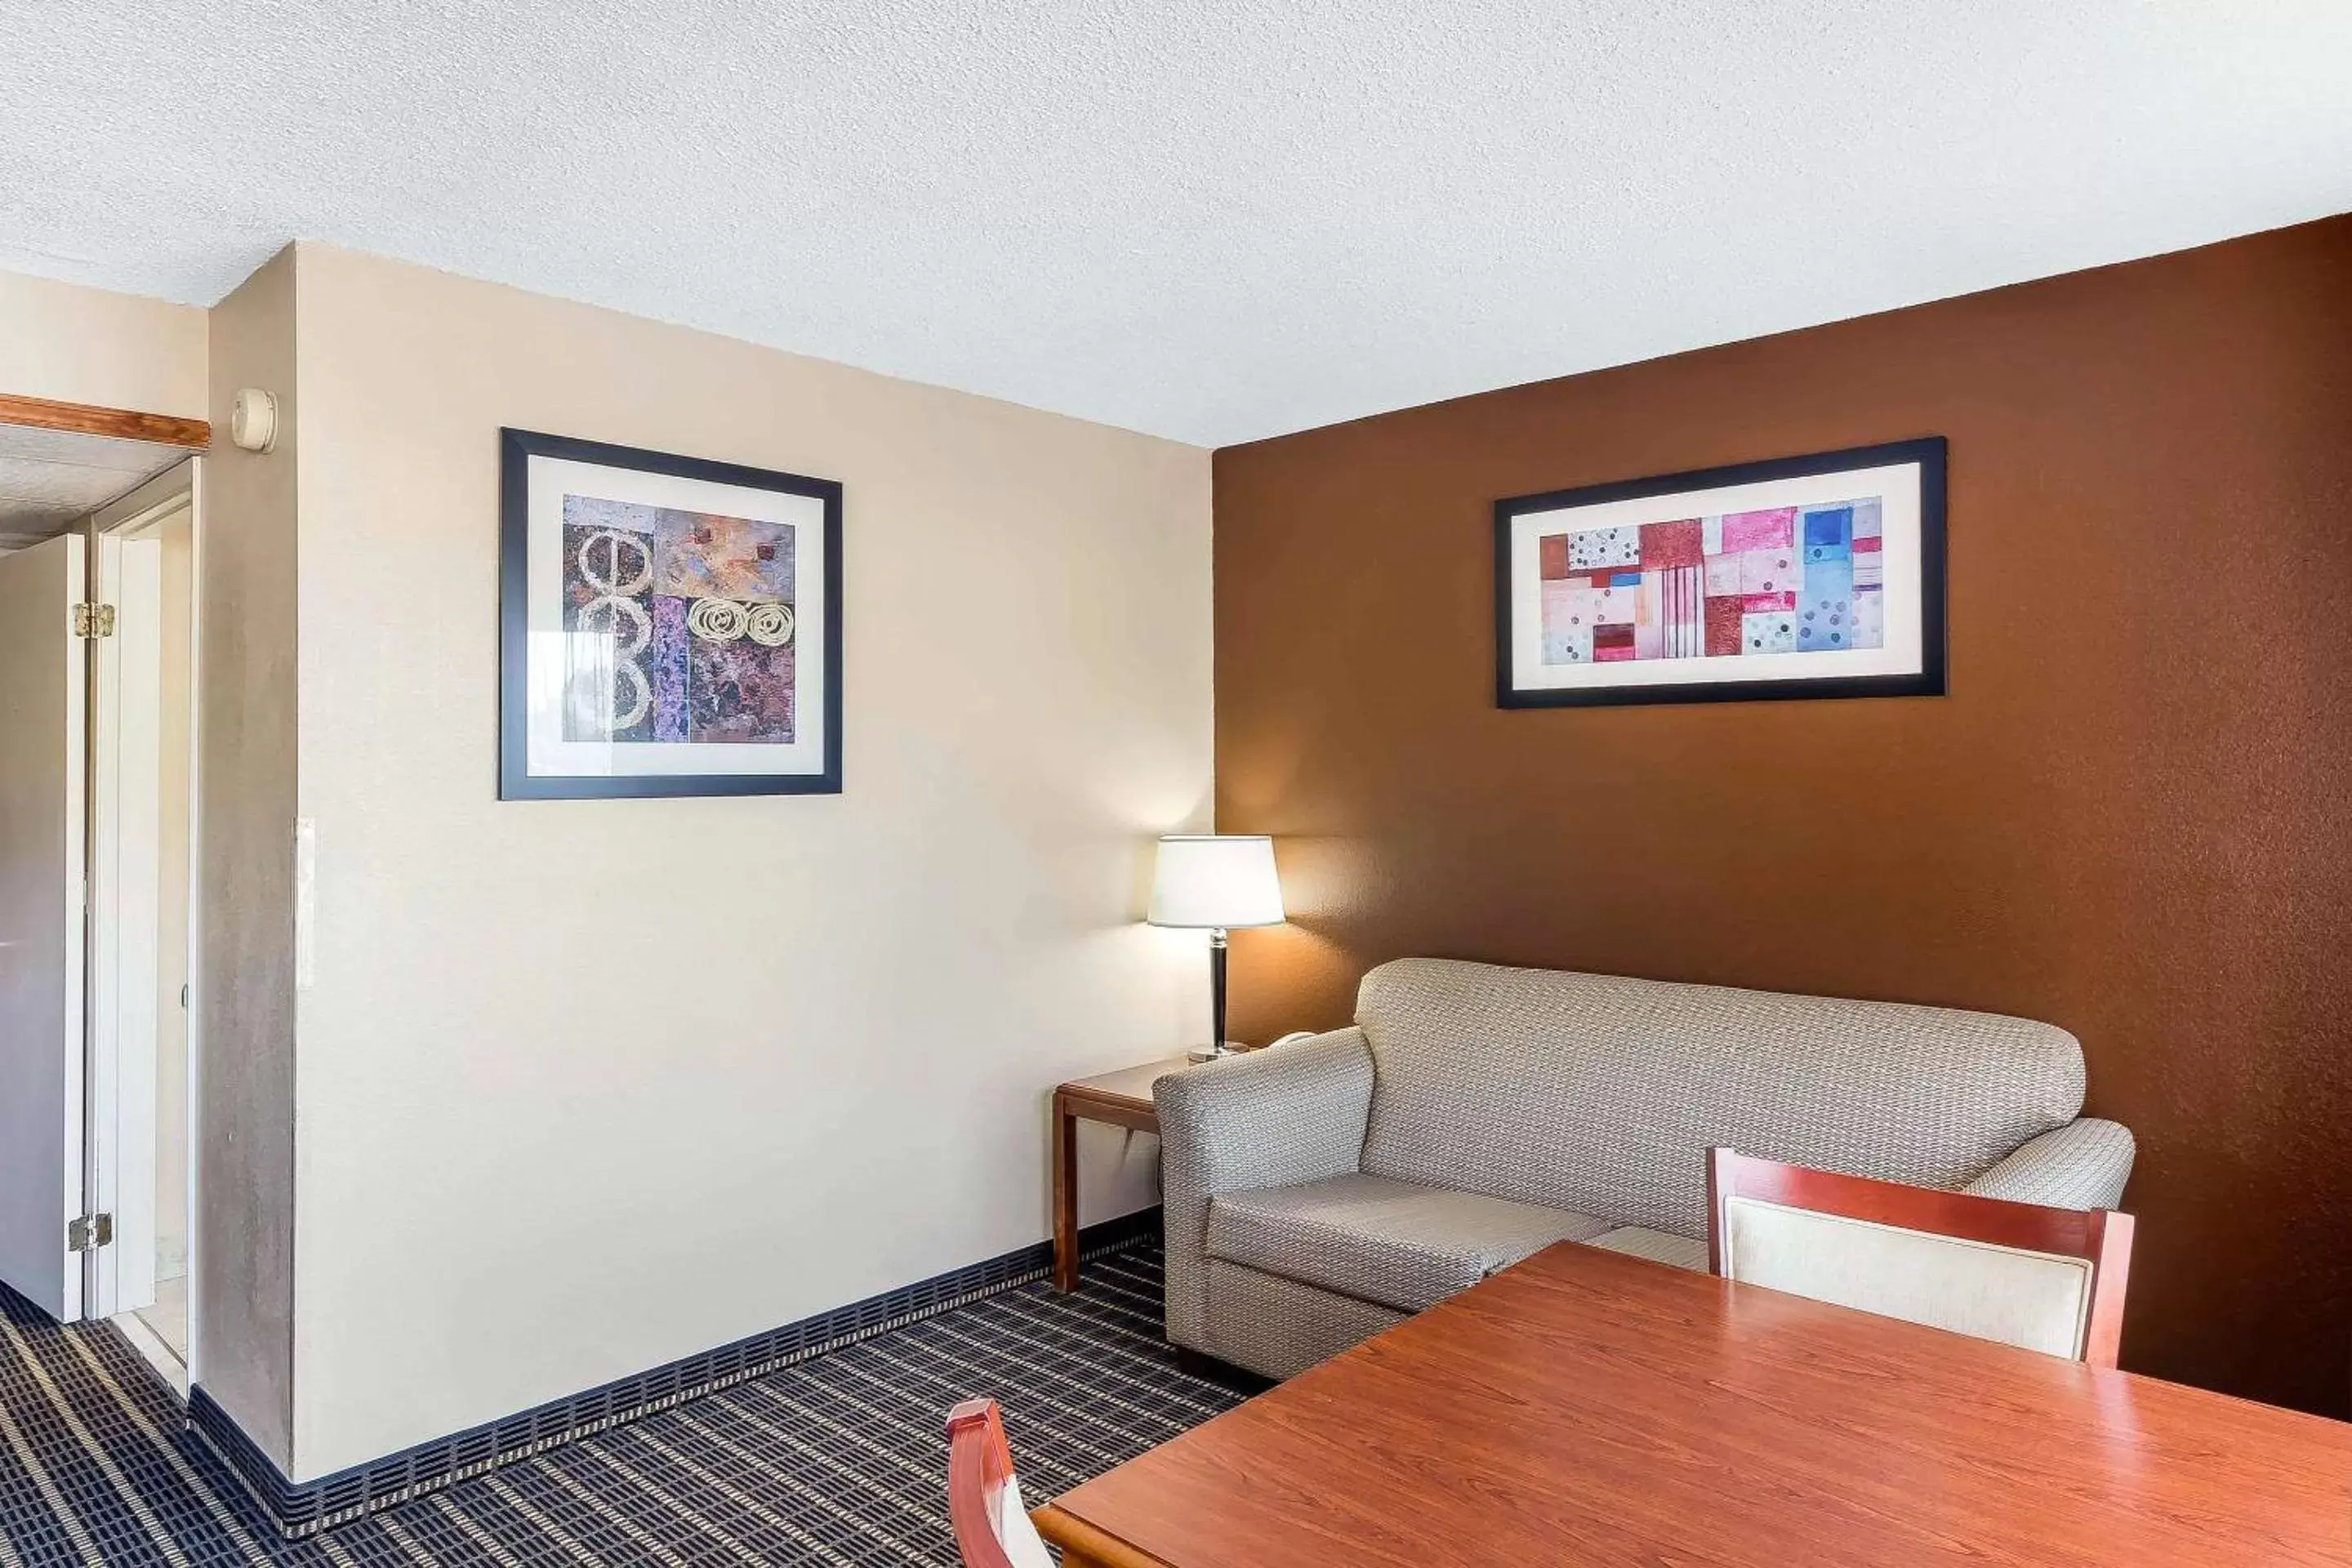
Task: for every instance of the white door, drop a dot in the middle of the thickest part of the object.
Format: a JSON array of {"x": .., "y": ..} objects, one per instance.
[
  {"x": 43, "y": 712},
  {"x": 126, "y": 763}
]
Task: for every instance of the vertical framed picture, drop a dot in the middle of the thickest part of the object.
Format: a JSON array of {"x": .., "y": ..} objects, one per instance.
[
  {"x": 667, "y": 625},
  {"x": 1812, "y": 576}
]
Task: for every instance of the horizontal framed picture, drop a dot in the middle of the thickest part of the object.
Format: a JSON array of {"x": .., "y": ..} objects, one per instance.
[
  {"x": 1812, "y": 576},
  {"x": 667, "y": 625}
]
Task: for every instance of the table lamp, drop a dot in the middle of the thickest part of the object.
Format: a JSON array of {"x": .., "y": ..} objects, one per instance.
[{"x": 1214, "y": 882}]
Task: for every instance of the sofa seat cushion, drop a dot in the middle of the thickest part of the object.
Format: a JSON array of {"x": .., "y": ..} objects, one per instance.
[
  {"x": 1657, "y": 1245},
  {"x": 1397, "y": 1244}
]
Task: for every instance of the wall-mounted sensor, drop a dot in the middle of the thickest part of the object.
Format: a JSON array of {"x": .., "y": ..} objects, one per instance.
[{"x": 253, "y": 419}]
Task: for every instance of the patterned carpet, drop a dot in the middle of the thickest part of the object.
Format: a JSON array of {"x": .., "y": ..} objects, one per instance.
[{"x": 838, "y": 1461}]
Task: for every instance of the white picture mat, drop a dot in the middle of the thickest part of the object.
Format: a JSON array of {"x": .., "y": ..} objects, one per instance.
[
  {"x": 1897, "y": 486},
  {"x": 549, "y": 755}
]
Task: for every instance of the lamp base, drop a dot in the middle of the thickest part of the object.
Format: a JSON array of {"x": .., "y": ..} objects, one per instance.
[{"x": 1212, "y": 1053}]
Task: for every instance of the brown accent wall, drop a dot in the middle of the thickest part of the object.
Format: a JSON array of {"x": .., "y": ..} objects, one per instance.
[{"x": 2131, "y": 816}]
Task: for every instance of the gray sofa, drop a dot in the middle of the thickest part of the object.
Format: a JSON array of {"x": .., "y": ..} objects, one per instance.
[{"x": 1318, "y": 1191}]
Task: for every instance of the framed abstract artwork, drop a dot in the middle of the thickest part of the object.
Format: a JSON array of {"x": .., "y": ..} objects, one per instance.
[
  {"x": 1813, "y": 577},
  {"x": 667, "y": 625}
]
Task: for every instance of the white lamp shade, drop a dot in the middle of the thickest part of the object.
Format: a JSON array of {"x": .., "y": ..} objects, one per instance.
[{"x": 1215, "y": 879}]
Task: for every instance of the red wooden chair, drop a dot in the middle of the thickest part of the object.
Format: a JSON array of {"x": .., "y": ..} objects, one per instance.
[
  {"x": 991, "y": 1528},
  {"x": 2048, "y": 1280}
]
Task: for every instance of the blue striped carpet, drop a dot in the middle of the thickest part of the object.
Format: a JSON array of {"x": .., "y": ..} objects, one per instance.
[{"x": 841, "y": 1459}]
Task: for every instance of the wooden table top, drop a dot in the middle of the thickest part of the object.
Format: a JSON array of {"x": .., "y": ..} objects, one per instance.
[
  {"x": 1589, "y": 1408},
  {"x": 1127, "y": 1085}
]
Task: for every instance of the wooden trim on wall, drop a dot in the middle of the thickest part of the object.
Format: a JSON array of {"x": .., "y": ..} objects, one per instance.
[{"x": 122, "y": 424}]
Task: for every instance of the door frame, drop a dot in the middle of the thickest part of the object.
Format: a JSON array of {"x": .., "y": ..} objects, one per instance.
[{"x": 118, "y": 1107}]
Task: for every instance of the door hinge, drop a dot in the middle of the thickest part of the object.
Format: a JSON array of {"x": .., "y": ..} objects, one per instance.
[
  {"x": 89, "y": 1233},
  {"x": 94, "y": 620}
]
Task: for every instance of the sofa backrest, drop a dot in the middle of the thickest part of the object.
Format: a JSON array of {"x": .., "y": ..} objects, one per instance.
[{"x": 1601, "y": 1095}]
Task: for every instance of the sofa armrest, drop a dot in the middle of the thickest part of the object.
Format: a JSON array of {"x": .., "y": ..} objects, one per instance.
[
  {"x": 1272, "y": 1118},
  {"x": 1267, "y": 1119},
  {"x": 2082, "y": 1165}
]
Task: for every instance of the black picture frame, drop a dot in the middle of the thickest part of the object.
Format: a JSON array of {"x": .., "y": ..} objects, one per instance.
[
  {"x": 516, "y": 782},
  {"x": 1927, "y": 451}
]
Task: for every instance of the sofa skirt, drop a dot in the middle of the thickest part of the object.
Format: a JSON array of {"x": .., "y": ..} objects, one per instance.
[{"x": 1278, "y": 1328}]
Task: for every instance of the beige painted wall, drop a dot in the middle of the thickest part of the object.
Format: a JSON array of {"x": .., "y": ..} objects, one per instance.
[
  {"x": 90, "y": 345},
  {"x": 587, "y": 1086},
  {"x": 243, "y": 1282}
]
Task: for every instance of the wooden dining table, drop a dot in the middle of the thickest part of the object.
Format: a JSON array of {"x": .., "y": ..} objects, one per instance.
[{"x": 1589, "y": 1408}]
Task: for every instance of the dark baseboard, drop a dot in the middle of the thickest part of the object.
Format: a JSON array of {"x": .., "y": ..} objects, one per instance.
[{"x": 302, "y": 1509}]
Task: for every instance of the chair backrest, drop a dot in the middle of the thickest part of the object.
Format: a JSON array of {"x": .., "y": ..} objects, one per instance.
[
  {"x": 991, "y": 1528},
  {"x": 1601, "y": 1095},
  {"x": 2046, "y": 1279}
]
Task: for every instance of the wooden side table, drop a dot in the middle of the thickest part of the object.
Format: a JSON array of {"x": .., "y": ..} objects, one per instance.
[{"x": 1122, "y": 1098}]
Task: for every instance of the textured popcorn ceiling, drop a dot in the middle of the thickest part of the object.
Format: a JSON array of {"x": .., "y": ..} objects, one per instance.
[
  {"x": 1210, "y": 221},
  {"x": 52, "y": 479}
]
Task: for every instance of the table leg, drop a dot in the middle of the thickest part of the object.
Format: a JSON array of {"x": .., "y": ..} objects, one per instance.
[{"x": 1065, "y": 1196}]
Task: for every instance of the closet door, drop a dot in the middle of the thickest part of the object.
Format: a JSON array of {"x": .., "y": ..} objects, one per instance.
[{"x": 43, "y": 757}]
